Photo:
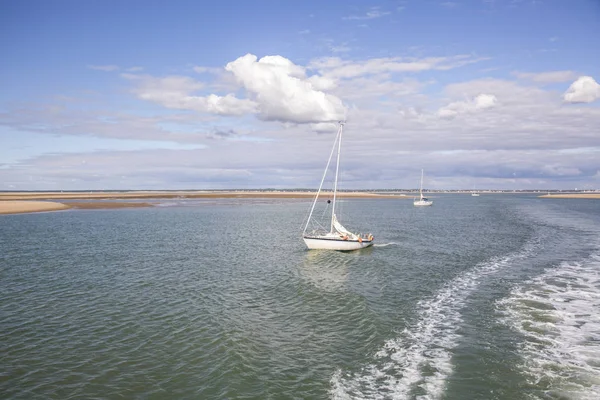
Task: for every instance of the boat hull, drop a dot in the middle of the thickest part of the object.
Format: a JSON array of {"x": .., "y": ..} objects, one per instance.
[
  {"x": 322, "y": 243},
  {"x": 423, "y": 203}
]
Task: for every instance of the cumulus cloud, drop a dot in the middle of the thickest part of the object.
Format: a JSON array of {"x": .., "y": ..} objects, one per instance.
[
  {"x": 480, "y": 102},
  {"x": 276, "y": 90},
  {"x": 583, "y": 90},
  {"x": 283, "y": 92}
]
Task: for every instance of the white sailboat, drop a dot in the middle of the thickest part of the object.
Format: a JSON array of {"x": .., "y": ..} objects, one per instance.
[
  {"x": 335, "y": 236},
  {"x": 423, "y": 201}
]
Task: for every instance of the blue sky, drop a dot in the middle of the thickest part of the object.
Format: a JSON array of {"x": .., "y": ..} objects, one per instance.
[{"x": 211, "y": 95}]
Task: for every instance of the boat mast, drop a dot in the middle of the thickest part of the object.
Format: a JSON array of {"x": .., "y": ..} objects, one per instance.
[
  {"x": 321, "y": 185},
  {"x": 421, "y": 189},
  {"x": 337, "y": 167}
]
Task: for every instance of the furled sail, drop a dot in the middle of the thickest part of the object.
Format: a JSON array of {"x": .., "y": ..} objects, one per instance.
[{"x": 340, "y": 228}]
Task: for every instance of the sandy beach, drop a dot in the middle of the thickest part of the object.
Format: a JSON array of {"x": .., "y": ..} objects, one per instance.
[
  {"x": 29, "y": 206},
  {"x": 572, "y": 196},
  {"x": 18, "y": 207},
  {"x": 28, "y": 202}
]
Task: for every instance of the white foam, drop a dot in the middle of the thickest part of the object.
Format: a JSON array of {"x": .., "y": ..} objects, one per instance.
[
  {"x": 417, "y": 363},
  {"x": 384, "y": 244},
  {"x": 558, "y": 316}
]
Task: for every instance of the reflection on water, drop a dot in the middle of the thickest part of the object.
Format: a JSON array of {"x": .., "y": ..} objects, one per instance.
[{"x": 328, "y": 270}]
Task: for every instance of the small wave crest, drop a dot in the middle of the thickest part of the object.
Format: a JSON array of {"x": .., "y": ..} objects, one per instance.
[
  {"x": 418, "y": 362},
  {"x": 557, "y": 315},
  {"x": 384, "y": 244}
]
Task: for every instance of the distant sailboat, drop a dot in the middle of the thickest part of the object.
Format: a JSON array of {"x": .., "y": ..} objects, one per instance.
[
  {"x": 336, "y": 236},
  {"x": 423, "y": 201}
]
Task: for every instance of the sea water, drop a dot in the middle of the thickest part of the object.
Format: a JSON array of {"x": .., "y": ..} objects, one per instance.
[{"x": 490, "y": 297}]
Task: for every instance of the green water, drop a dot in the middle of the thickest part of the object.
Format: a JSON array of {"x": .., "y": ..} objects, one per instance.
[{"x": 473, "y": 298}]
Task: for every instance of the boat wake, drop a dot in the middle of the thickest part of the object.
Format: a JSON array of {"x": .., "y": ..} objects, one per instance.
[
  {"x": 557, "y": 316},
  {"x": 417, "y": 363},
  {"x": 385, "y": 244}
]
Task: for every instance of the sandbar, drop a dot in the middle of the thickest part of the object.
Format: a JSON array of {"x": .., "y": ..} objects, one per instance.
[
  {"x": 29, "y": 206},
  {"x": 181, "y": 195},
  {"x": 572, "y": 196},
  {"x": 28, "y": 202},
  {"x": 96, "y": 205},
  {"x": 18, "y": 207}
]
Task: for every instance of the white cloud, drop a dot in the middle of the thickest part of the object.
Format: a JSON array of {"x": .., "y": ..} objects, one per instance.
[
  {"x": 209, "y": 70},
  {"x": 337, "y": 68},
  {"x": 175, "y": 92},
  {"x": 364, "y": 89},
  {"x": 321, "y": 83},
  {"x": 547, "y": 77},
  {"x": 584, "y": 90},
  {"x": 106, "y": 68},
  {"x": 324, "y": 127},
  {"x": 283, "y": 92},
  {"x": 480, "y": 102},
  {"x": 373, "y": 13},
  {"x": 276, "y": 89},
  {"x": 496, "y": 132},
  {"x": 341, "y": 49},
  {"x": 508, "y": 92}
]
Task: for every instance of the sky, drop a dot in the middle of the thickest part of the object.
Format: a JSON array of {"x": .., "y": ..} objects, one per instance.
[{"x": 480, "y": 94}]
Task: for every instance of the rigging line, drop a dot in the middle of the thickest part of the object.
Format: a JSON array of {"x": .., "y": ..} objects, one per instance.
[
  {"x": 323, "y": 179},
  {"x": 337, "y": 168}
]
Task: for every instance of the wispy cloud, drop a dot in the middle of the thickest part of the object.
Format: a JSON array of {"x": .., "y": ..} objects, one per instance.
[
  {"x": 373, "y": 13},
  {"x": 207, "y": 70},
  {"x": 449, "y": 4},
  {"x": 106, "y": 68},
  {"x": 547, "y": 77},
  {"x": 337, "y": 68}
]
